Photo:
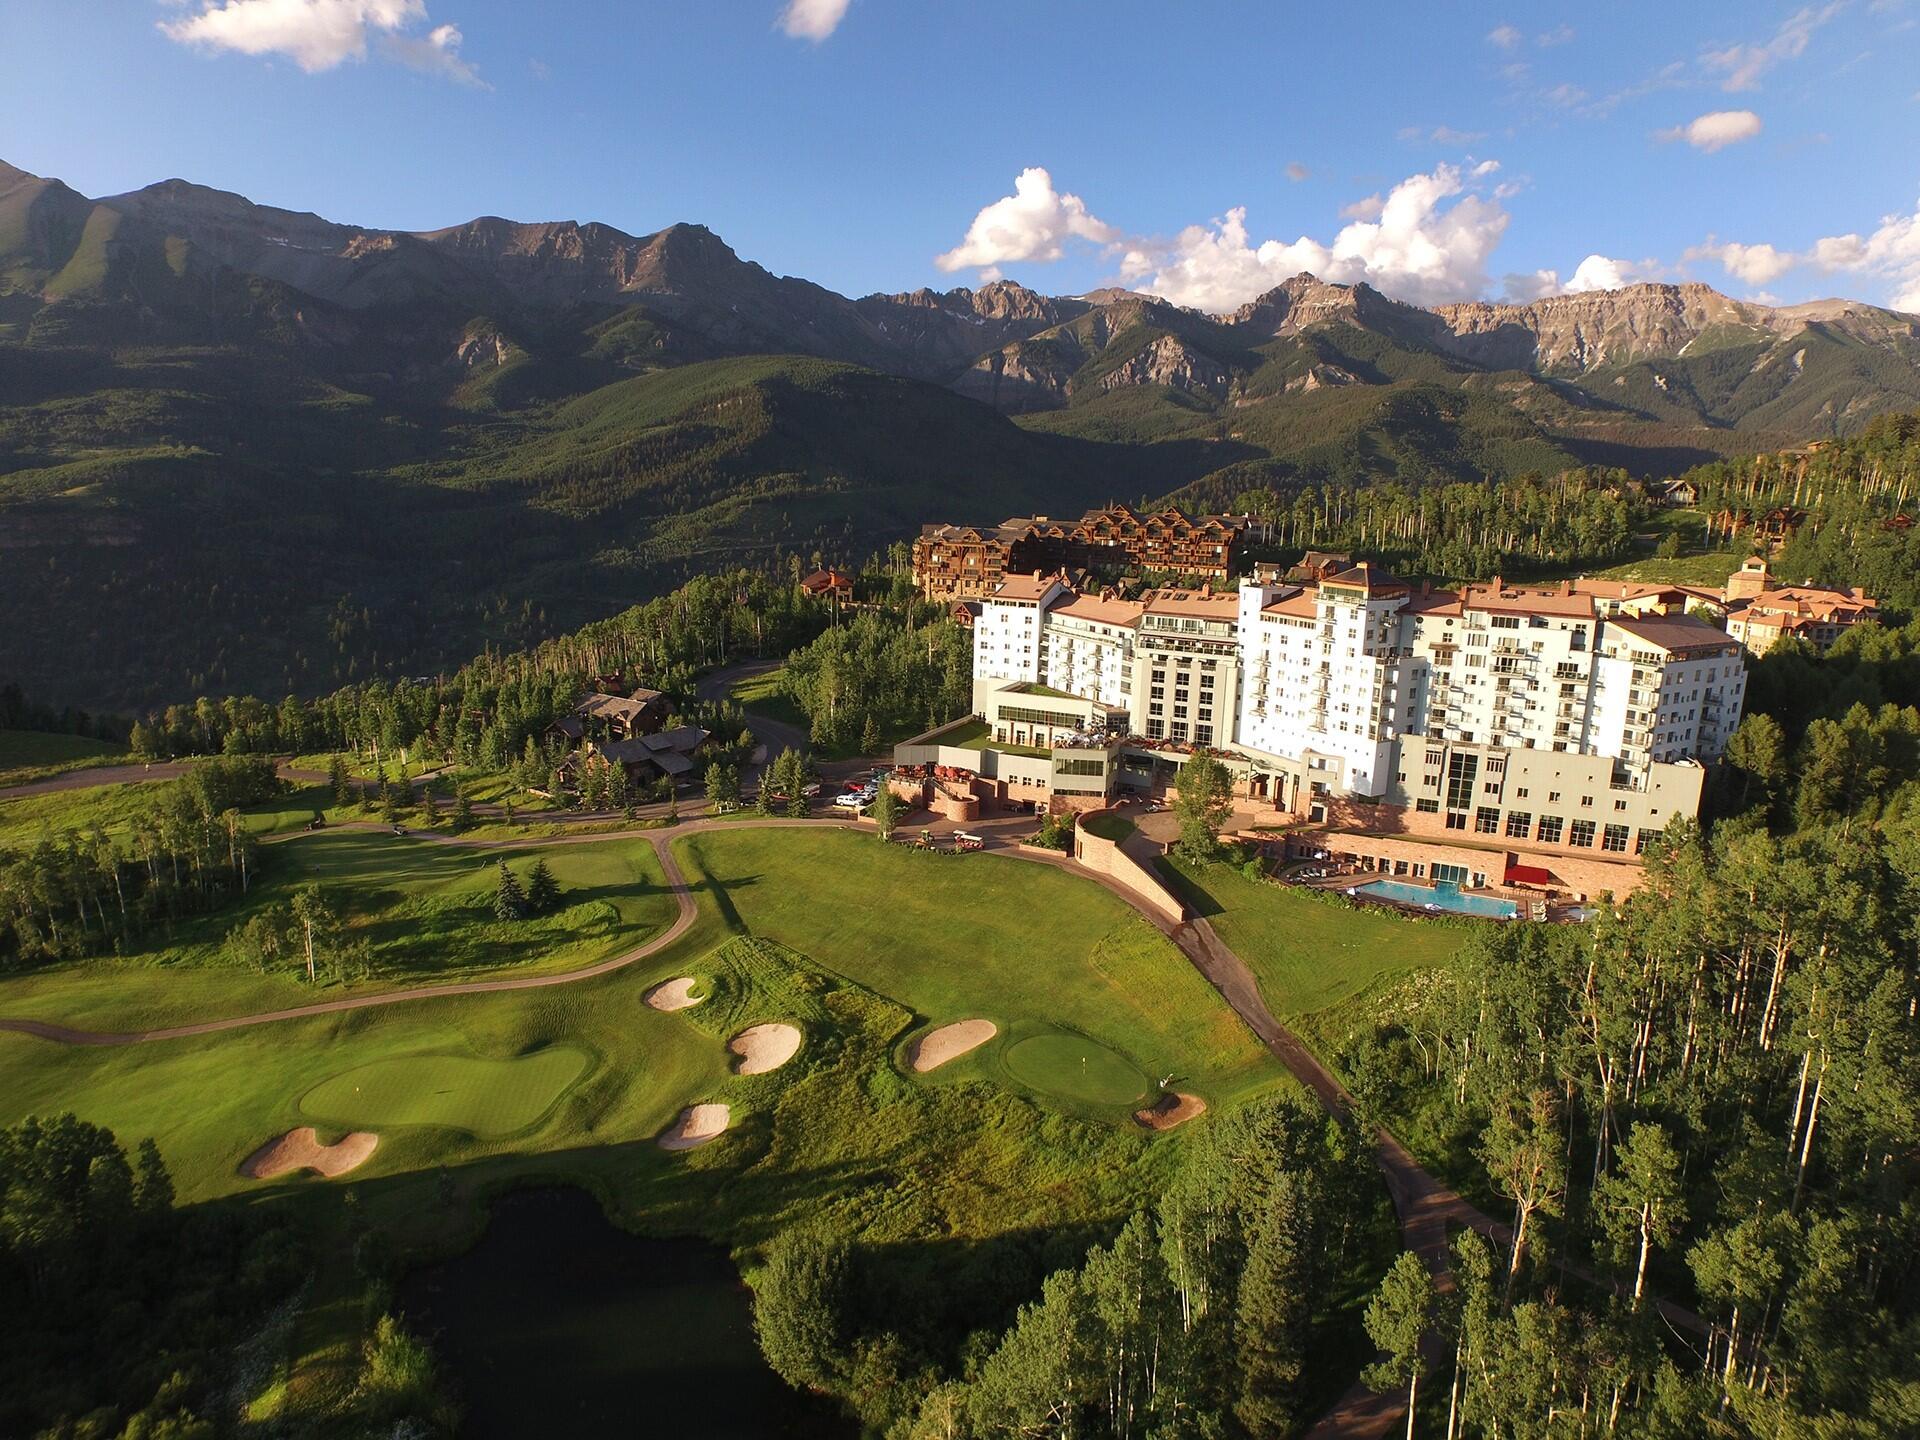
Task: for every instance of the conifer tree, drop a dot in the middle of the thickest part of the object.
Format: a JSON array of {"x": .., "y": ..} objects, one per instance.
[
  {"x": 543, "y": 891},
  {"x": 509, "y": 901},
  {"x": 337, "y": 782}
]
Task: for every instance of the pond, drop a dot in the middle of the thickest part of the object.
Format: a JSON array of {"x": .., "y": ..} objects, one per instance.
[{"x": 558, "y": 1323}]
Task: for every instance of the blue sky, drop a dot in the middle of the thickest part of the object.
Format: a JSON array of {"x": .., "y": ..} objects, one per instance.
[{"x": 1201, "y": 150}]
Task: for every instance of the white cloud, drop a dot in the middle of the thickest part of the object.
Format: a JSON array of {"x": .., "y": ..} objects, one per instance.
[
  {"x": 1534, "y": 285},
  {"x": 435, "y": 53},
  {"x": 1715, "y": 130},
  {"x": 1741, "y": 66},
  {"x": 1366, "y": 208},
  {"x": 1892, "y": 252},
  {"x": 1505, "y": 37},
  {"x": 1297, "y": 172},
  {"x": 812, "y": 19},
  {"x": 1417, "y": 247},
  {"x": 1602, "y": 272},
  {"x": 1559, "y": 35},
  {"x": 320, "y": 34},
  {"x": 1447, "y": 135},
  {"x": 1752, "y": 264},
  {"x": 1033, "y": 223}
]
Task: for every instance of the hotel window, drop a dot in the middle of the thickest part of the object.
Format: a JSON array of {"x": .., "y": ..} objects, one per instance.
[
  {"x": 1582, "y": 834},
  {"x": 1179, "y": 712},
  {"x": 1486, "y": 821},
  {"x": 1462, "y": 770},
  {"x": 1157, "y": 692},
  {"x": 1427, "y": 807},
  {"x": 1156, "y": 708},
  {"x": 1203, "y": 734},
  {"x": 1586, "y": 802},
  {"x": 1156, "y": 729},
  {"x": 1614, "y": 839},
  {"x": 1518, "y": 824},
  {"x": 1550, "y": 828},
  {"x": 1520, "y": 793},
  {"x": 1456, "y": 820},
  {"x": 1642, "y": 839}
]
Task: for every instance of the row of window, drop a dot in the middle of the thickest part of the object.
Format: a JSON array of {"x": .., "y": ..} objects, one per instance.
[{"x": 1547, "y": 830}]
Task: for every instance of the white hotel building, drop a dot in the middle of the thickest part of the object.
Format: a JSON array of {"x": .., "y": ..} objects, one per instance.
[{"x": 1524, "y": 716}]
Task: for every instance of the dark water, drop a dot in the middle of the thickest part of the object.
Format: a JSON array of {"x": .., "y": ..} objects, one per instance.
[{"x": 557, "y": 1323}]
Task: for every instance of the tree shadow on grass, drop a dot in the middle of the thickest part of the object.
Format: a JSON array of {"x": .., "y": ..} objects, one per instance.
[{"x": 1202, "y": 902}]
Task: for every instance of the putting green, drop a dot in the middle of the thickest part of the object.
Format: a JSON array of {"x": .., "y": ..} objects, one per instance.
[
  {"x": 460, "y": 1092},
  {"x": 1074, "y": 1068}
]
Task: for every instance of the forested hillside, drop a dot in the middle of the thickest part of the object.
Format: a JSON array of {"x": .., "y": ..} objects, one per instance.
[{"x": 251, "y": 449}]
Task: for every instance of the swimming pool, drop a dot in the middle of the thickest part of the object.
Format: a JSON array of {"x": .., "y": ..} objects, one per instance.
[{"x": 1440, "y": 897}]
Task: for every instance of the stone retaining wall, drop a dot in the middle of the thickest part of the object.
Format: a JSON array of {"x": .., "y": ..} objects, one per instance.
[{"x": 1106, "y": 857}]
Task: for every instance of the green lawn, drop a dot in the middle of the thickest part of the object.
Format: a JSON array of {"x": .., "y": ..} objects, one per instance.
[
  {"x": 978, "y": 735},
  {"x": 763, "y": 693},
  {"x": 423, "y": 909},
  {"x": 1026, "y": 946},
  {"x": 1309, "y": 951},
  {"x": 858, "y": 943},
  {"x": 1710, "y": 568},
  {"x": 459, "y": 1092},
  {"x": 33, "y": 754},
  {"x": 1108, "y": 827}
]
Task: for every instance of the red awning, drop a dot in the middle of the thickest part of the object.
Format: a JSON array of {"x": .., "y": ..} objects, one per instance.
[{"x": 1528, "y": 875}]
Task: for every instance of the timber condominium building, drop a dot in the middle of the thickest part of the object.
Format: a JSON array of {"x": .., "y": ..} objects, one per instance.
[{"x": 1493, "y": 735}]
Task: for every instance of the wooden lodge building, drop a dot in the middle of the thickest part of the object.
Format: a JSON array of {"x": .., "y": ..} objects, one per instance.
[{"x": 965, "y": 562}]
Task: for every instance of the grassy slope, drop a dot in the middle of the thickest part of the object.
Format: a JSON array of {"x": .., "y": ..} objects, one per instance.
[
  {"x": 35, "y": 754},
  {"x": 941, "y": 1170},
  {"x": 1309, "y": 952},
  {"x": 1024, "y": 946},
  {"x": 423, "y": 908}
]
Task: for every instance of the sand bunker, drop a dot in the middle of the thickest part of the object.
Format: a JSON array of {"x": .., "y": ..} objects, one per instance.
[
  {"x": 674, "y": 994},
  {"x": 949, "y": 1042},
  {"x": 696, "y": 1126},
  {"x": 1171, "y": 1109},
  {"x": 301, "y": 1150},
  {"x": 764, "y": 1047}
]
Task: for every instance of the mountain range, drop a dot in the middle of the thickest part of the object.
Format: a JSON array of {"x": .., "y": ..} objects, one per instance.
[{"x": 246, "y": 447}]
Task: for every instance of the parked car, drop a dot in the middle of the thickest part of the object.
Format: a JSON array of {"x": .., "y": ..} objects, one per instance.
[
  {"x": 851, "y": 802},
  {"x": 810, "y": 789}
]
